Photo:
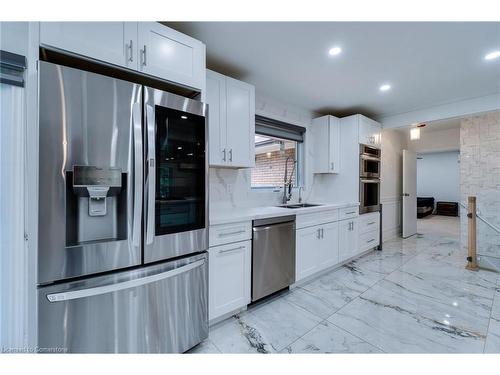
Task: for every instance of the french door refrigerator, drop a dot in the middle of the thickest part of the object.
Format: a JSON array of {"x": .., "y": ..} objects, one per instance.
[{"x": 122, "y": 261}]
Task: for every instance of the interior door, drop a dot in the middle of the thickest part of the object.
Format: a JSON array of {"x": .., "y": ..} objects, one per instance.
[{"x": 409, "y": 216}]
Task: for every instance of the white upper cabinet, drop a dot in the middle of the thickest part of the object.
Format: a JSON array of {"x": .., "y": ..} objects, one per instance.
[
  {"x": 171, "y": 55},
  {"x": 148, "y": 47},
  {"x": 216, "y": 100},
  {"x": 111, "y": 42},
  {"x": 370, "y": 132},
  {"x": 326, "y": 134},
  {"x": 231, "y": 121}
]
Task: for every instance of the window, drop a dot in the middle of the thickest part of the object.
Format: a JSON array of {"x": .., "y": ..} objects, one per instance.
[{"x": 278, "y": 146}]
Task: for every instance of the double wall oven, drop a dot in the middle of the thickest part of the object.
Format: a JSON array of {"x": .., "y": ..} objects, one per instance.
[
  {"x": 123, "y": 216},
  {"x": 369, "y": 179}
]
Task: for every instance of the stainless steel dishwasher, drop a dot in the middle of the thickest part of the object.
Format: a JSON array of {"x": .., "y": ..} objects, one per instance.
[{"x": 273, "y": 255}]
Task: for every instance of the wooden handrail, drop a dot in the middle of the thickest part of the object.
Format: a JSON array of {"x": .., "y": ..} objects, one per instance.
[{"x": 472, "y": 240}]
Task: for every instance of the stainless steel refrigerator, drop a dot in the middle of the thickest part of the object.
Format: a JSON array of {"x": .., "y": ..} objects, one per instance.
[{"x": 123, "y": 216}]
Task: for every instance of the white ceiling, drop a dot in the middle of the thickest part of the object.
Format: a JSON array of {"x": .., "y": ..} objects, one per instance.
[
  {"x": 427, "y": 64},
  {"x": 453, "y": 123}
]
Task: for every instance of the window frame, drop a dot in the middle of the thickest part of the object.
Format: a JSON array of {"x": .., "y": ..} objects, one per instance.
[{"x": 299, "y": 150}]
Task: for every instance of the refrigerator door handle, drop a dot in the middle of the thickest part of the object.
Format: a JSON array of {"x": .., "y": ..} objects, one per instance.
[
  {"x": 90, "y": 292},
  {"x": 138, "y": 174},
  {"x": 150, "y": 123}
]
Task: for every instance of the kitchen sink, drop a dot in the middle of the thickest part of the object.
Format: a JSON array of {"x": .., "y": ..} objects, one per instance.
[{"x": 299, "y": 205}]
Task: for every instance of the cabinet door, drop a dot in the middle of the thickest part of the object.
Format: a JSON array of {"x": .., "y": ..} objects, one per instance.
[
  {"x": 326, "y": 134},
  {"x": 216, "y": 99},
  {"x": 171, "y": 55},
  {"x": 307, "y": 252},
  {"x": 369, "y": 131},
  {"x": 111, "y": 42},
  {"x": 321, "y": 138},
  {"x": 229, "y": 278},
  {"x": 348, "y": 239},
  {"x": 240, "y": 123},
  {"x": 334, "y": 144},
  {"x": 329, "y": 245}
]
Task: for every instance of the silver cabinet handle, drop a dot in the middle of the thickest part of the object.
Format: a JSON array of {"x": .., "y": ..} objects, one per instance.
[
  {"x": 231, "y": 233},
  {"x": 373, "y": 239},
  {"x": 332, "y": 165},
  {"x": 138, "y": 173},
  {"x": 231, "y": 154},
  {"x": 322, "y": 233},
  {"x": 224, "y": 153},
  {"x": 151, "y": 179},
  {"x": 230, "y": 250},
  {"x": 131, "y": 54},
  {"x": 144, "y": 56},
  {"x": 98, "y": 290},
  {"x": 318, "y": 235},
  {"x": 350, "y": 212}
]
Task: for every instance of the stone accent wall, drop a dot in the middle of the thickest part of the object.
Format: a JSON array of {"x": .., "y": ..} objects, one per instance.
[
  {"x": 270, "y": 170},
  {"x": 480, "y": 177}
]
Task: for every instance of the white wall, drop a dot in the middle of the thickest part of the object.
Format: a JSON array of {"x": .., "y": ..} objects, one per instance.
[
  {"x": 438, "y": 176},
  {"x": 18, "y": 187},
  {"x": 434, "y": 140},
  {"x": 393, "y": 143}
]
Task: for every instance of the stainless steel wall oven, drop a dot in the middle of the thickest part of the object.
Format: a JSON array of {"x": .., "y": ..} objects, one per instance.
[{"x": 369, "y": 179}]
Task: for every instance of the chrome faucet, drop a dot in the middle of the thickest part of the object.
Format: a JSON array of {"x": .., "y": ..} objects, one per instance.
[
  {"x": 288, "y": 195},
  {"x": 300, "y": 194}
]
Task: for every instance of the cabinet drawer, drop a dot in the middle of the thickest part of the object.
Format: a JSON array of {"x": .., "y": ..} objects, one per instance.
[
  {"x": 348, "y": 212},
  {"x": 228, "y": 233},
  {"x": 368, "y": 240},
  {"x": 316, "y": 218},
  {"x": 369, "y": 222}
]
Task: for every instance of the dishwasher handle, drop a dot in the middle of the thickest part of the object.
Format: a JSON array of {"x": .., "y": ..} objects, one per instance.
[{"x": 273, "y": 226}]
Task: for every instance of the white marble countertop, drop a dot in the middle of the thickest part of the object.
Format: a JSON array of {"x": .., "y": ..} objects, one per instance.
[{"x": 234, "y": 215}]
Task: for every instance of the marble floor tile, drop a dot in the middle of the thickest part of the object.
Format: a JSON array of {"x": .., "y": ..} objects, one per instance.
[
  {"x": 235, "y": 336},
  {"x": 204, "y": 347},
  {"x": 493, "y": 338},
  {"x": 279, "y": 323},
  {"x": 395, "y": 328},
  {"x": 327, "y": 338},
  {"x": 332, "y": 291}
]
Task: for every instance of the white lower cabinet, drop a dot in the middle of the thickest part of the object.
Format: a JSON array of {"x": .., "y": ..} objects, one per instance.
[
  {"x": 369, "y": 231},
  {"x": 229, "y": 278},
  {"x": 348, "y": 239},
  {"x": 329, "y": 248},
  {"x": 316, "y": 249},
  {"x": 306, "y": 250}
]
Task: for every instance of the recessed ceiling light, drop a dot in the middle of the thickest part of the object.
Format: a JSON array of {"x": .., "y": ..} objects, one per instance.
[
  {"x": 492, "y": 55},
  {"x": 334, "y": 51},
  {"x": 184, "y": 117},
  {"x": 385, "y": 87}
]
